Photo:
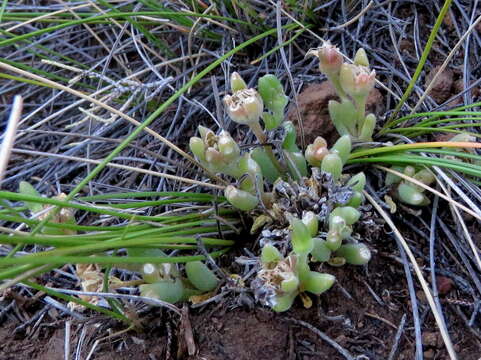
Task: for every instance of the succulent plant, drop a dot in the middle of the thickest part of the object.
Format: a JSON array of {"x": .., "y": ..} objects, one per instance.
[
  {"x": 166, "y": 283},
  {"x": 304, "y": 197},
  {"x": 406, "y": 191},
  {"x": 353, "y": 83}
]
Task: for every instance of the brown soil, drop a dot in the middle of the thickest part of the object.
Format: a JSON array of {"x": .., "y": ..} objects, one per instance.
[
  {"x": 312, "y": 103},
  {"x": 349, "y": 314}
]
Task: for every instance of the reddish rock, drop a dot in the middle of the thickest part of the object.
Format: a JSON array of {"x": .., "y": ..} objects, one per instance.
[
  {"x": 441, "y": 90},
  {"x": 458, "y": 87},
  {"x": 313, "y": 102},
  {"x": 443, "y": 137}
]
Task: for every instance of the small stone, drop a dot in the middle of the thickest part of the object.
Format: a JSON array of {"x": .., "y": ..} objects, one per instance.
[
  {"x": 430, "y": 339},
  {"x": 429, "y": 354},
  {"x": 406, "y": 45},
  {"x": 458, "y": 87}
]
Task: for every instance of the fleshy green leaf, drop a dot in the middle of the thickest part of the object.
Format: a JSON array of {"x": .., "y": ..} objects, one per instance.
[{"x": 201, "y": 276}]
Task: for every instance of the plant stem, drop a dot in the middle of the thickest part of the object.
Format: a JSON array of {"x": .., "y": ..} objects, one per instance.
[
  {"x": 361, "y": 113},
  {"x": 259, "y": 134},
  {"x": 337, "y": 86}
]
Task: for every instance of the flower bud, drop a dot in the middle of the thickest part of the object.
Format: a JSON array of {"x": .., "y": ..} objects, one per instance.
[
  {"x": 361, "y": 58},
  {"x": 227, "y": 146},
  {"x": 316, "y": 151},
  {"x": 201, "y": 276},
  {"x": 270, "y": 254},
  {"x": 332, "y": 164},
  {"x": 330, "y": 59},
  {"x": 343, "y": 147},
  {"x": 355, "y": 254},
  {"x": 207, "y": 135},
  {"x": 356, "y": 80},
  {"x": 240, "y": 199},
  {"x": 197, "y": 147},
  {"x": 237, "y": 83},
  {"x": 317, "y": 282},
  {"x": 64, "y": 216},
  {"x": 244, "y": 106},
  {"x": 311, "y": 221},
  {"x": 320, "y": 251},
  {"x": 301, "y": 239}
]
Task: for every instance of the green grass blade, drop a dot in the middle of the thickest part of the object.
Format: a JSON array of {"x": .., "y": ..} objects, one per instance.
[{"x": 422, "y": 61}]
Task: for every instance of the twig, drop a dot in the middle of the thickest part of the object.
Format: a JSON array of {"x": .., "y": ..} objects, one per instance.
[
  {"x": 9, "y": 136},
  {"x": 66, "y": 353},
  {"x": 324, "y": 337},
  {"x": 397, "y": 338},
  {"x": 122, "y": 296}
]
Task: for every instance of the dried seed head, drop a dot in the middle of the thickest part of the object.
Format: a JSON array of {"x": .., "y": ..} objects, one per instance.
[
  {"x": 244, "y": 106},
  {"x": 330, "y": 59},
  {"x": 213, "y": 156}
]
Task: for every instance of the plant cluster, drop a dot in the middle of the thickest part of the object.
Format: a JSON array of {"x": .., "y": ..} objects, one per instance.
[
  {"x": 165, "y": 282},
  {"x": 406, "y": 191},
  {"x": 302, "y": 198}
]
